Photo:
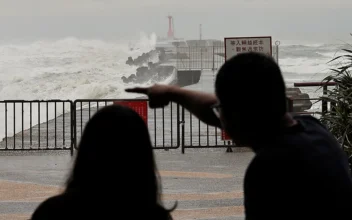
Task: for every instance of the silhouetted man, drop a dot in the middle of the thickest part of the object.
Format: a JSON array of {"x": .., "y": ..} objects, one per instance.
[{"x": 299, "y": 170}]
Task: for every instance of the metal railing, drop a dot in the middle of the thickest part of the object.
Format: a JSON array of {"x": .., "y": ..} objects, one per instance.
[
  {"x": 325, "y": 105},
  {"x": 163, "y": 124},
  {"x": 207, "y": 57},
  {"x": 36, "y": 125},
  {"x": 58, "y": 124},
  {"x": 196, "y": 134}
]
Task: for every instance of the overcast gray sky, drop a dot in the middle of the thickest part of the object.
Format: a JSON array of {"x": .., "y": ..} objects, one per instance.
[{"x": 320, "y": 20}]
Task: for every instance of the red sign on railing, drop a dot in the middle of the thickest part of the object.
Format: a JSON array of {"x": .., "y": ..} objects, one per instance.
[
  {"x": 224, "y": 136},
  {"x": 141, "y": 107}
]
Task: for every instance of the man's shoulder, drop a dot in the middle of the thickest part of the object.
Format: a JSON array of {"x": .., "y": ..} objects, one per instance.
[
  {"x": 315, "y": 132},
  {"x": 305, "y": 117},
  {"x": 308, "y": 119},
  {"x": 271, "y": 159},
  {"x": 300, "y": 147}
]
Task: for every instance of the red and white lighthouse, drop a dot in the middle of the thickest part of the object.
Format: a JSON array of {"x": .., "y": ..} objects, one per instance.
[{"x": 170, "y": 33}]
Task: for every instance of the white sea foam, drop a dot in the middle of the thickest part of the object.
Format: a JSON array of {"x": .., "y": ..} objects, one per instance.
[{"x": 70, "y": 68}]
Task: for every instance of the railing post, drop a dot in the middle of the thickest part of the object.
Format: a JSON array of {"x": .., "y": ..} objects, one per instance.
[
  {"x": 201, "y": 58},
  {"x": 72, "y": 122},
  {"x": 277, "y": 43},
  {"x": 183, "y": 130},
  {"x": 333, "y": 105},
  {"x": 213, "y": 58},
  {"x": 289, "y": 104},
  {"x": 178, "y": 125},
  {"x": 73, "y": 127},
  {"x": 324, "y": 103},
  {"x": 229, "y": 149},
  {"x": 189, "y": 56},
  {"x": 177, "y": 57}
]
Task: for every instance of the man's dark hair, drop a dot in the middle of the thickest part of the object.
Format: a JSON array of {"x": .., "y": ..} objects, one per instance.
[{"x": 251, "y": 84}]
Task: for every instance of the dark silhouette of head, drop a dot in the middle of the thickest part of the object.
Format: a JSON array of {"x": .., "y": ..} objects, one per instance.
[
  {"x": 252, "y": 97},
  {"x": 115, "y": 160}
]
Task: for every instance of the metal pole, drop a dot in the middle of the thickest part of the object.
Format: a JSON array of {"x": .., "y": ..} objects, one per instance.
[
  {"x": 177, "y": 57},
  {"x": 189, "y": 55},
  {"x": 277, "y": 43},
  {"x": 213, "y": 59},
  {"x": 324, "y": 102},
  {"x": 200, "y": 32},
  {"x": 201, "y": 59},
  {"x": 290, "y": 104}
]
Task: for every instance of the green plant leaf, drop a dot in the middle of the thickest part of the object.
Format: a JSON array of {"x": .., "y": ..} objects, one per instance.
[
  {"x": 349, "y": 51},
  {"x": 338, "y": 57},
  {"x": 338, "y": 119}
]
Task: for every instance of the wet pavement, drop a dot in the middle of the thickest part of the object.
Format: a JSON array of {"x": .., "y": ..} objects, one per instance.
[{"x": 207, "y": 184}]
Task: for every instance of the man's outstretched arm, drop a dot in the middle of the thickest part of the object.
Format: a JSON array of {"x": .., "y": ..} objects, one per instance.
[{"x": 198, "y": 103}]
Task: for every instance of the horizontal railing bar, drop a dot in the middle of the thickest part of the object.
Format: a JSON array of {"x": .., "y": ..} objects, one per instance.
[{"x": 310, "y": 84}]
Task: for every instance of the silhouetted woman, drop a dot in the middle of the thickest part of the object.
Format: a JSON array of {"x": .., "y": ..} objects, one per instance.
[{"x": 114, "y": 174}]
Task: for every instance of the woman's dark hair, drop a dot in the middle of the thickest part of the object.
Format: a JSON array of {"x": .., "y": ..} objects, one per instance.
[{"x": 115, "y": 155}]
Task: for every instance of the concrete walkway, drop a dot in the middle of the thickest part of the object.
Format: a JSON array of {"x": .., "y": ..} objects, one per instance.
[{"x": 207, "y": 185}]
